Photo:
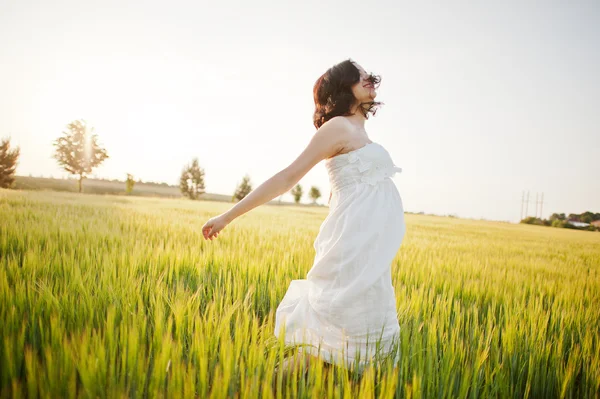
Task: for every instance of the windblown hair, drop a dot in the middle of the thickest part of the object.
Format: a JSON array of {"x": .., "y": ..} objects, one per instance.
[{"x": 333, "y": 95}]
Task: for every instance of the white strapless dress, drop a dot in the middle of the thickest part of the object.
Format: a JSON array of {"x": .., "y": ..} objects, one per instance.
[{"x": 345, "y": 309}]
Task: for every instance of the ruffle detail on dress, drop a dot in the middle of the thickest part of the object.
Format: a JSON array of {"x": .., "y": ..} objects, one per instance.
[
  {"x": 370, "y": 171},
  {"x": 378, "y": 173},
  {"x": 362, "y": 165}
]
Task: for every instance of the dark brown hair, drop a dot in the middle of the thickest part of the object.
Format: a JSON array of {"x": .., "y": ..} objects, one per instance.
[{"x": 333, "y": 95}]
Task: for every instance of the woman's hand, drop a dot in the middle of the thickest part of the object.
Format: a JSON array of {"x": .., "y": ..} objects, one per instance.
[{"x": 213, "y": 226}]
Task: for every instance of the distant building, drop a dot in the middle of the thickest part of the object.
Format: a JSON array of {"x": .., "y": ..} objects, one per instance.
[
  {"x": 596, "y": 223},
  {"x": 577, "y": 224}
]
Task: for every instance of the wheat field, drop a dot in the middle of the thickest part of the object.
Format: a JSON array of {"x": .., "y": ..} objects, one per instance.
[{"x": 114, "y": 296}]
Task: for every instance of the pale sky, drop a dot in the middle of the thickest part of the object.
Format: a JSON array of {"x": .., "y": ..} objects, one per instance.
[{"x": 483, "y": 100}]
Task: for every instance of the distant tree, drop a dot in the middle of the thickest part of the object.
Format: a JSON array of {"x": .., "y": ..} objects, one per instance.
[
  {"x": 129, "y": 183},
  {"x": 532, "y": 220},
  {"x": 243, "y": 189},
  {"x": 557, "y": 216},
  {"x": 191, "y": 182},
  {"x": 8, "y": 163},
  {"x": 587, "y": 217},
  {"x": 314, "y": 194},
  {"x": 296, "y": 193},
  {"x": 78, "y": 151}
]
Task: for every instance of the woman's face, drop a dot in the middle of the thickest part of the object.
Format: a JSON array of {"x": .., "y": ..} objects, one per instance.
[{"x": 364, "y": 90}]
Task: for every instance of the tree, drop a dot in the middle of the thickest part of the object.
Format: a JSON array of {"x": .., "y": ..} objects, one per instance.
[
  {"x": 314, "y": 194},
  {"x": 532, "y": 220},
  {"x": 296, "y": 192},
  {"x": 243, "y": 189},
  {"x": 8, "y": 163},
  {"x": 587, "y": 217},
  {"x": 191, "y": 182},
  {"x": 78, "y": 151},
  {"x": 129, "y": 183},
  {"x": 557, "y": 216}
]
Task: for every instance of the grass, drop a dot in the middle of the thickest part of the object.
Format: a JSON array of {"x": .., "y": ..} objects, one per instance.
[{"x": 113, "y": 296}]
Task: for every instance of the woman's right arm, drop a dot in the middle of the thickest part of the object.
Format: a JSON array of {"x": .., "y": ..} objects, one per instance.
[{"x": 326, "y": 142}]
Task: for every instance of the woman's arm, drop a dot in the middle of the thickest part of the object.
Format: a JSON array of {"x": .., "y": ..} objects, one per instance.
[
  {"x": 322, "y": 145},
  {"x": 278, "y": 184},
  {"x": 326, "y": 142}
]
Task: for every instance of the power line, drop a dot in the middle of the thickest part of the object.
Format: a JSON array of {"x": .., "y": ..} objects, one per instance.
[{"x": 538, "y": 201}]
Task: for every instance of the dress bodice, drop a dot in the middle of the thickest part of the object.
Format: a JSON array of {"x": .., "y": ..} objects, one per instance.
[{"x": 370, "y": 164}]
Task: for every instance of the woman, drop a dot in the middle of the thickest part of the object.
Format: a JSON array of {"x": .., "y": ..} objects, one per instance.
[{"x": 345, "y": 309}]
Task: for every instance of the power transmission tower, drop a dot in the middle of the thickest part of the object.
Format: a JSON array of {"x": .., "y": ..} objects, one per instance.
[
  {"x": 537, "y": 201},
  {"x": 541, "y": 202},
  {"x": 522, "y": 199}
]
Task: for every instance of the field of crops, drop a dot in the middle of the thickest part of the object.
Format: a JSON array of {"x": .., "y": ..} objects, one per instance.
[{"x": 112, "y": 296}]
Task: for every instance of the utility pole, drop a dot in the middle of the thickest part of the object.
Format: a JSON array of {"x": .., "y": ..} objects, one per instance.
[
  {"x": 522, "y": 199},
  {"x": 541, "y": 203},
  {"x": 538, "y": 200}
]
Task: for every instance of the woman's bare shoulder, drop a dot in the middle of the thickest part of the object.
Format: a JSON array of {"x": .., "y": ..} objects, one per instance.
[
  {"x": 338, "y": 129},
  {"x": 338, "y": 122}
]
